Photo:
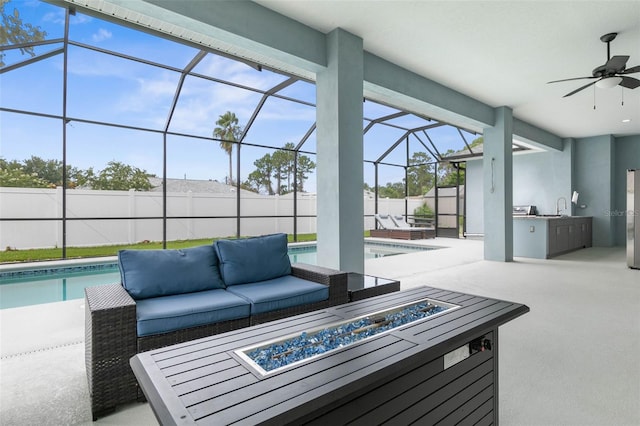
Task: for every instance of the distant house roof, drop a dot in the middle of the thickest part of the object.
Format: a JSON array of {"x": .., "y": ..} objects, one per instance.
[{"x": 193, "y": 185}]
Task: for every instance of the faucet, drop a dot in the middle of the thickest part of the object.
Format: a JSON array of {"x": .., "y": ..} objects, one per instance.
[{"x": 558, "y": 205}]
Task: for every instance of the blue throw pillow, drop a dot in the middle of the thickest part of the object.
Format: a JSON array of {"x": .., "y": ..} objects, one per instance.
[
  {"x": 154, "y": 273},
  {"x": 255, "y": 259}
]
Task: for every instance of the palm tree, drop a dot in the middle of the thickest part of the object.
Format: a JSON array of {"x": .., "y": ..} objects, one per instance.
[{"x": 228, "y": 131}]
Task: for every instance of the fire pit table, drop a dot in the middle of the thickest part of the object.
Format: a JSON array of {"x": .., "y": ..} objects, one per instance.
[
  {"x": 424, "y": 355},
  {"x": 360, "y": 286}
]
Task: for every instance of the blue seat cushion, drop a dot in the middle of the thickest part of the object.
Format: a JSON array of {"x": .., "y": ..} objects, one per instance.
[
  {"x": 280, "y": 293},
  {"x": 254, "y": 259},
  {"x": 176, "y": 312},
  {"x": 155, "y": 273}
]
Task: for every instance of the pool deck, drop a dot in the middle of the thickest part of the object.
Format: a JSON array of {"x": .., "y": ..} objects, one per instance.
[{"x": 560, "y": 363}]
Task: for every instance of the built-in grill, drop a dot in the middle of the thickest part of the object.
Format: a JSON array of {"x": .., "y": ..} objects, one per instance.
[{"x": 525, "y": 211}]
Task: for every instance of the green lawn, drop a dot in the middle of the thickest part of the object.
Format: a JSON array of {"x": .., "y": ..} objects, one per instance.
[{"x": 33, "y": 255}]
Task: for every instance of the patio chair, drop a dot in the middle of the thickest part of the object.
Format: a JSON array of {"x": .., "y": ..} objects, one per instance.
[
  {"x": 389, "y": 229},
  {"x": 385, "y": 221},
  {"x": 426, "y": 231},
  {"x": 402, "y": 223}
]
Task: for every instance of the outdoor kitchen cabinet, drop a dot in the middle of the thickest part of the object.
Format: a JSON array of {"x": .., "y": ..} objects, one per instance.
[
  {"x": 566, "y": 234},
  {"x": 582, "y": 235},
  {"x": 543, "y": 237}
]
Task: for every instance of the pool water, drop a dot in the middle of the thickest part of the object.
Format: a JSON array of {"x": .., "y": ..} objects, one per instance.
[
  {"x": 32, "y": 287},
  {"x": 52, "y": 287}
]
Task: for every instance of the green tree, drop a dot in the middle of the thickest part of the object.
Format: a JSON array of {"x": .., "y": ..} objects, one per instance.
[
  {"x": 51, "y": 171},
  {"x": 14, "y": 31},
  {"x": 279, "y": 168},
  {"x": 423, "y": 212},
  {"x": 283, "y": 164},
  {"x": 48, "y": 171},
  {"x": 228, "y": 132},
  {"x": 420, "y": 173},
  {"x": 254, "y": 181},
  {"x": 477, "y": 142},
  {"x": 305, "y": 166},
  {"x": 448, "y": 172},
  {"x": 10, "y": 165},
  {"x": 261, "y": 176},
  {"x": 78, "y": 177},
  {"x": 12, "y": 175},
  {"x": 391, "y": 190},
  {"x": 118, "y": 176},
  {"x": 15, "y": 178}
]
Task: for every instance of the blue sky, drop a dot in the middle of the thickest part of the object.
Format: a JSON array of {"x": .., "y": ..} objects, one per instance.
[{"x": 111, "y": 89}]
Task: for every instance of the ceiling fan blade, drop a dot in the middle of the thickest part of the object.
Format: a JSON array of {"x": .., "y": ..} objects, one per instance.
[
  {"x": 569, "y": 79},
  {"x": 580, "y": 88},
  {"x": 629, "y": 82},
  {"x": 616, "y": 64},
  {"x": 631, "y": 70}
]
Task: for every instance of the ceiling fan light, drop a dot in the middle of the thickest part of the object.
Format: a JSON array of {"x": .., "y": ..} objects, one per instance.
[{"x": 609, "y": 82}]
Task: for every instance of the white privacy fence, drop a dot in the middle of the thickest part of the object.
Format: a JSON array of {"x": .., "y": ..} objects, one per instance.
[{"x": 118, "y": 217}]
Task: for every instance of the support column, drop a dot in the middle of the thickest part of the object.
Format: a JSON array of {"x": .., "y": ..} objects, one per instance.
[
  {"x": 595, "y": 179},
  {"x": 340, "y": 200},
  {"x": 497, "y": 165}
]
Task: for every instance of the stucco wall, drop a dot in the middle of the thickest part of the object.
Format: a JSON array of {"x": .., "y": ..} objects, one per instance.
[
  {"x": 597, "y": 171},
  {"x": 539, "y": 178}
]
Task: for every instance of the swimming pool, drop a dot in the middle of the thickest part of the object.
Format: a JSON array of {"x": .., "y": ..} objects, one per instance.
[
  {"x": 58, "y": 281},
  {"x": 53, "y": 282},
  {"x": 307, "y": 252}
]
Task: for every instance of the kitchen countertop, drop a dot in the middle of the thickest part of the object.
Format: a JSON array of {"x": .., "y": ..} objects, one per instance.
[{"x": 547, "y": 217}]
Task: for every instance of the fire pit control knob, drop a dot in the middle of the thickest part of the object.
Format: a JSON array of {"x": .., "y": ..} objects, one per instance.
[
  {"x": 487, "y": 344},
  {"x": 480, "y": 345}
]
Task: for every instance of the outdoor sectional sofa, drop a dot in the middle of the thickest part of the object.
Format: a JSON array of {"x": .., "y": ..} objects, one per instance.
[{"x": 173, "y": 296}]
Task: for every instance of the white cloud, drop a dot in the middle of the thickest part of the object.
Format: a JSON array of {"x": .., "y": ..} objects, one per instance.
[
  {"x": 101, "y": 35},
  {"x": 289, "y": 112},
  {"x": 55, "y": 17},
  {"x": 58, "y": 18},
  {"x": 238, "y": 72},
  {"x": 165, "y": 86},
  {"x": 147, "y": 93}
]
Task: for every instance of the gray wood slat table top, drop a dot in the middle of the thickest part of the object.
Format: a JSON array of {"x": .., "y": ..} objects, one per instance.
[{"x": 202, "y": 382}]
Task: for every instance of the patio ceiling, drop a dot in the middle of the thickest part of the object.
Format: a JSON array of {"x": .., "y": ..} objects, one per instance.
[{"x": 501, "y": 53}]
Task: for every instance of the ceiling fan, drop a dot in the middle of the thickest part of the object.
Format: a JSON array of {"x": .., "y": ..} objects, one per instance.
[{"x": 611, "y": 74}]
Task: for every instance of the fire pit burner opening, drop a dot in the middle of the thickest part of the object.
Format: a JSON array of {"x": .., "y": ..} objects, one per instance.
[{"x": 271, "y": 356}]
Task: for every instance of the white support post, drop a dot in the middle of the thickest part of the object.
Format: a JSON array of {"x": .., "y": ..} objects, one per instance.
[{"x": 339, "y": 108}]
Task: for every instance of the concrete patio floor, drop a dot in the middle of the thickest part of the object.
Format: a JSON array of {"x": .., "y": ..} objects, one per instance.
[{"x": 572, "y": 360}]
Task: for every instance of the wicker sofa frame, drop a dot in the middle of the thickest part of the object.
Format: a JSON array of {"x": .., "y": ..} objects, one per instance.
[{"x": 111, "y": 338}]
